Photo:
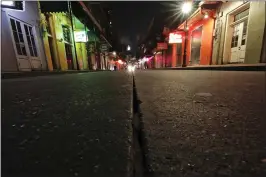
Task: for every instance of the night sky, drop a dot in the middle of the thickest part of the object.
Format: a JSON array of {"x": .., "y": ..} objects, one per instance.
[{"x": 132, "y": 18}]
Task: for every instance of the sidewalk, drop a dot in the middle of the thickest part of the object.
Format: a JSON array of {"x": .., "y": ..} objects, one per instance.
[
  {"x": 228, "y": 67},
  {"x": 11, "y": 75}
]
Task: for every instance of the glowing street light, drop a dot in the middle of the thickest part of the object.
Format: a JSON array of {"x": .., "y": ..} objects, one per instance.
[
  {"x": 128, "y": 48},
  {"x": 186, "y": 7},
  {"x": 120, "y": 62},
  {"x": 114, "y": 53},
  {"x": 8, "y": 3}
]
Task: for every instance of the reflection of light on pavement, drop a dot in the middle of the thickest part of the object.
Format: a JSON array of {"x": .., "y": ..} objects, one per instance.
[{"x": 131, "y": 68}]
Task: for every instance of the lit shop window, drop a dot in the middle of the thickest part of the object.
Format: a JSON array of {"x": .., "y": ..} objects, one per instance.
[
  {"x": 8, "y": 3},
  {"x": 18, "y": 5}
]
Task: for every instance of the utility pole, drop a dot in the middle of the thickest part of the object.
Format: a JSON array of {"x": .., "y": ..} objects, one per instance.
[
  {"x": 162, "y": 58},
  {"x": 104, "y": 60},
  {"x": 73, "y": 37},
  {"x": 185, "y": 46},
  {"x": 165, "y": 53}
]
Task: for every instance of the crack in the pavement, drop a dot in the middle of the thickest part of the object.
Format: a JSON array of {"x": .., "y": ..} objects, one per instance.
[{"x": 139, "y": 153}]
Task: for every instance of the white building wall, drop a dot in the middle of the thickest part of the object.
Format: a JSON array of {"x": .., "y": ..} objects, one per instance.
[
  {"x": 263, "y": 51},
  {"x": 223, "y": 32},
  {"x": 30, "y": 15},
  {"x": 255, "y": 33},
  {"x": 8, "y": 56}
]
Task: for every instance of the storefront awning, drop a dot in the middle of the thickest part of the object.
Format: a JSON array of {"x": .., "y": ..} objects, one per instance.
[
  {"x": 191, "y": 19},
  {"x": 63, "y": 6},
  {"x": 97, "y": 27},
  {"x": 210, "y": 4},
  {"x": 81, "y": 15},
  {"x": 206, "y": 6},
  {"x": 106, "y": 41},
  {"x": 92, "y": 36}
]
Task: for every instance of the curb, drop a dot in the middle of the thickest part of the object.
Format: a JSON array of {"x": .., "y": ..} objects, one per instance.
[
  {"x": 41, "y": 73},
  {"x": 140, "y": 154},
  {"x": 219, "y": 68},
  {"x": 130, "y": 166}
]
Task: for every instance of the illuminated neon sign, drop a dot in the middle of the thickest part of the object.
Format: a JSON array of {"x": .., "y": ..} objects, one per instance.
[
  {"x": 162, "y": 46},
  {"x": 80, "y": 36},
  {"x": 175, "y": 37},
  {"x": 8, "y": 3}
]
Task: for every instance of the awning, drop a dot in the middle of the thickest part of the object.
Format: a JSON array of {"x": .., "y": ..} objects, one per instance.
[
  {"x": 90, "y": 15},
  {"x": 92, "y": 36},
  {"x": 98, "y": 29},
  {"x": 81, "y": 15},
  {"x": 106, "y": 41},
  {"x": 62, "y": 6},
  {"x": 211, "y": 5},
  {"x": 197, "y": 15}
]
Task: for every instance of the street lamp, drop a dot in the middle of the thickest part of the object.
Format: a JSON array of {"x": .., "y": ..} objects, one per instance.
[
  {"x": 186, "y": 8},
  {"x": 128, "y": 48},
  {"x": 120, "y": 62},
  {"x": 114, "y": 53}
]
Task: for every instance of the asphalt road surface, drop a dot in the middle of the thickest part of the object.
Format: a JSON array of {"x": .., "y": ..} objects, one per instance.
[
  {"x": 195, "y": 124},
  {"x": 67, "y": 125},
  {"x": 204, "y": 123}
]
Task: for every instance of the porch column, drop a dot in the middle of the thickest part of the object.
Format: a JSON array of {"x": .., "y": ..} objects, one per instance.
[{"x": 174, "y": 49}]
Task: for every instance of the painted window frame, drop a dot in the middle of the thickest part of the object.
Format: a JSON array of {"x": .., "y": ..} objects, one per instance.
[
  {"x": 190, "y": 61},
  {"x": 9, "y": 17}
]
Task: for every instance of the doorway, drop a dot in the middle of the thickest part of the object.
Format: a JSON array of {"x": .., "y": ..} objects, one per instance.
[
  {"x": 179, "y": 54},
  {"x": 23, "y": 36},
  {"x": 69, "y": 56},
  {"x": 196, "y": 38},
  {"x": 51, "y": 46},
  {"x": 238, "y": 42},
  {"x": 89, "y": 49}
]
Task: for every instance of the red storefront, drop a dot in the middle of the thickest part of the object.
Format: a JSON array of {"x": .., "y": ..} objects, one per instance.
[
  {"x": 200, "y": 27},
  {"x": 176, "y": 39}
]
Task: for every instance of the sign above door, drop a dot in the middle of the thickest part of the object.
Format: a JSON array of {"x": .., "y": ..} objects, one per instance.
[{"x": 175, "y": 37}]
